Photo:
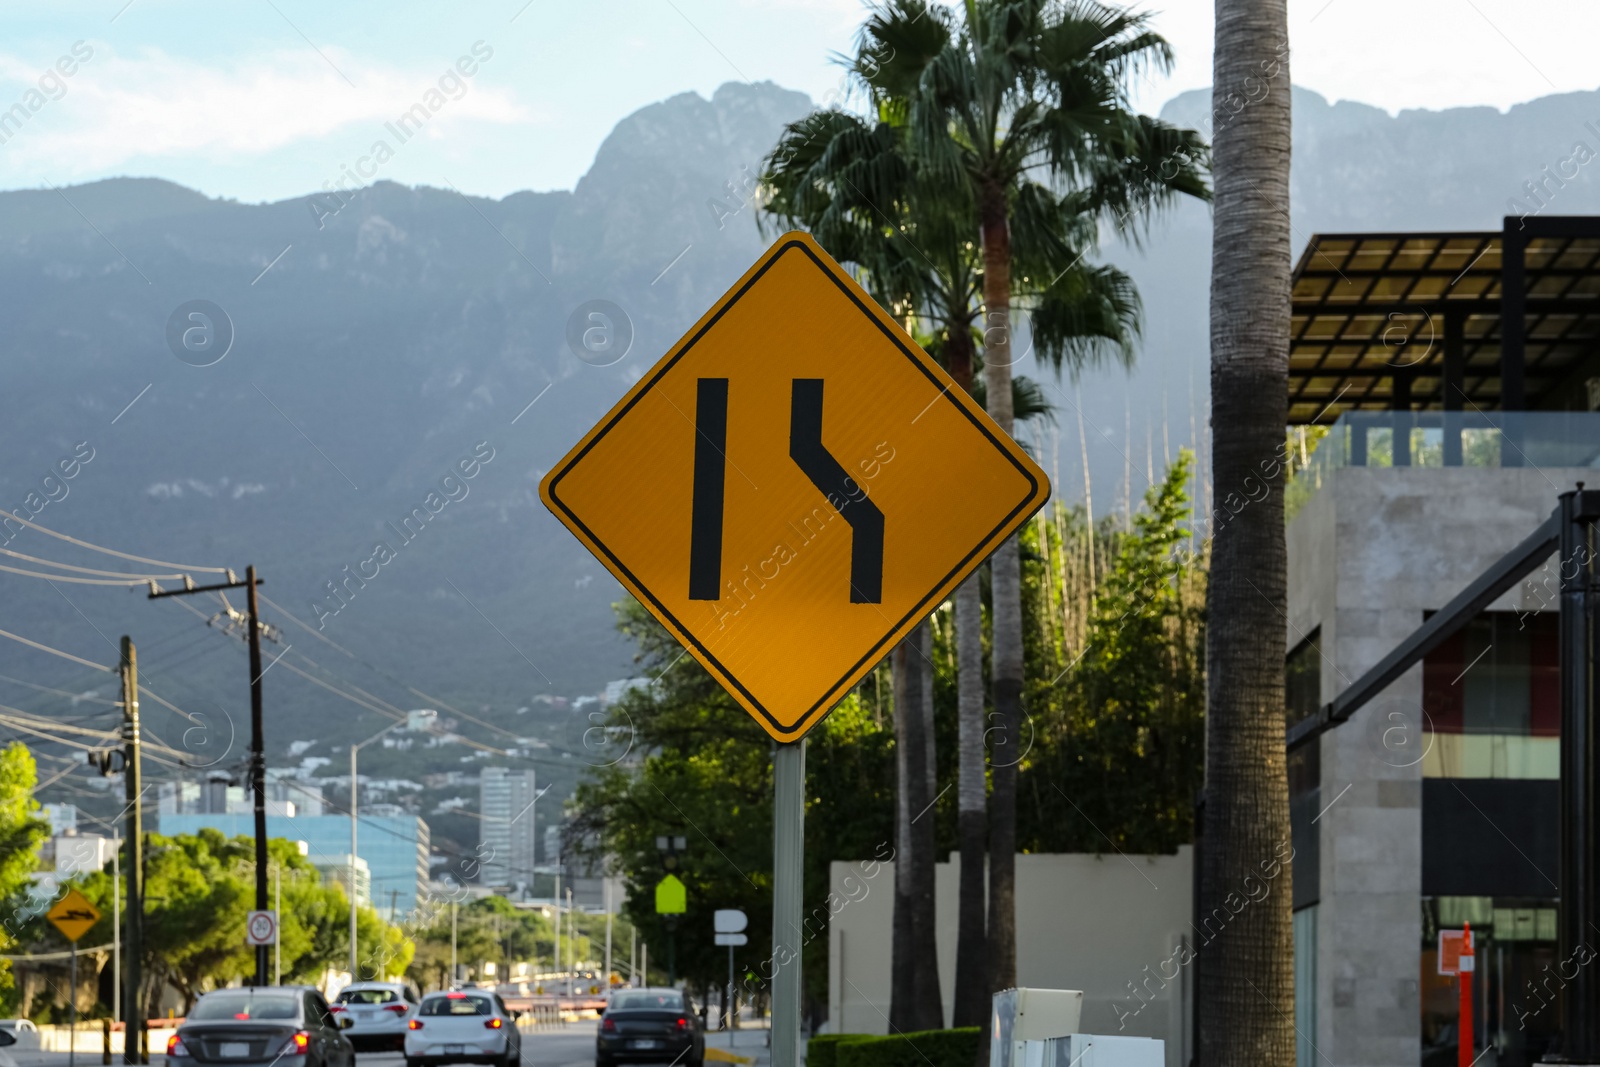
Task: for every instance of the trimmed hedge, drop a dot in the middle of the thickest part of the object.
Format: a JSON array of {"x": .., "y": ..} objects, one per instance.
[
  {"x": 928, "y": 1048},
  {"x": 823, "y": 1050}
]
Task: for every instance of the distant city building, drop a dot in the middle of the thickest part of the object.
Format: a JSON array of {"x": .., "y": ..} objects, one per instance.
[
  {"x": 218, "y": 796},
  {"x": 508, "y": 828},
  {"x": 394, "y": 847},
  {"x": 422, "y": 720},
  {"x": 335, "y": 870},
  {"x": 63, "y": 818},
  {"x": 74, "y": 854}
]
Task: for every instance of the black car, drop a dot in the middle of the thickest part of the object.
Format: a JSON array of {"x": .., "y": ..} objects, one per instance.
[
  {"x": 649, "y": 1026},
  {"x": 257, "y": 1027}
]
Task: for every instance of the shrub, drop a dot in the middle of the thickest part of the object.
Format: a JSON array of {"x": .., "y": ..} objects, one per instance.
[
  {"x": 823, "y": 1050},
  {"x": 928, "y": 1048}
]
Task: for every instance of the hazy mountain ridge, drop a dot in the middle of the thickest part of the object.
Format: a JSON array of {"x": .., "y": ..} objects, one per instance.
[{"x": 412, "y": 324}]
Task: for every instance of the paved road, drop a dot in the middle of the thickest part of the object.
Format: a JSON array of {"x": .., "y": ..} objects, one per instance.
[{"x": 571, "y": 1045}]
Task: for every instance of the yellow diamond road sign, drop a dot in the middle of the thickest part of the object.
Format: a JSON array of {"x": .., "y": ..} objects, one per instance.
[
  {"x": 73, "y": 915},
  {"x": 793, "y": 487}
]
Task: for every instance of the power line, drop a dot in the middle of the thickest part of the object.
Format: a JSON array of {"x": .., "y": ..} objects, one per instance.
[
  {"x": 110, "y": 551},
  {"x": 87, "y": 570},
  {"x": 56, "y": 651}
]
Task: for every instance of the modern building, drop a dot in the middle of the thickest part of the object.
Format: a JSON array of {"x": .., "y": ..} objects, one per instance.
[
  {"x": 336, "y": 870},
  {"x": 394, "y": 847},
  {"x": 1458, "y": 378},
  {"x": 508, "y": 826}
]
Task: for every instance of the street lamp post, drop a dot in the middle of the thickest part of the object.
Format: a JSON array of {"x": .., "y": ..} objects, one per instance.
[{"x": 354, "y": 793}]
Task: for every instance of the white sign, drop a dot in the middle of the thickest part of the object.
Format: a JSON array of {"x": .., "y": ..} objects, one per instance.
[
  {"x": 729, "y": 921},
  {"x": 261, "y": 928},
  {"x": 732, "y": 939}
]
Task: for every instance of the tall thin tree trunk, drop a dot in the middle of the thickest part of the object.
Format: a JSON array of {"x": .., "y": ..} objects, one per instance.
[
  {"x": 1246, "y": 980},
  {"x": 972, "y": 941},
  {"x": 924, "y": 823},
  {"x": 914, "y": 1002},
  {"x": 1005, "y": 569},
  {"x": 902, "y": 964}
]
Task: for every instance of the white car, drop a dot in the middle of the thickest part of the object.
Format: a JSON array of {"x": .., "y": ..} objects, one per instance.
[
  {"x": 26, "y": 1033},
  {"x": 378, "y": 1014},
  {"x": 472, "y": 1026}
]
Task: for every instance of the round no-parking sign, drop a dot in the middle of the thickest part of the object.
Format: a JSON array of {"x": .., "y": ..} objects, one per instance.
[{"x": 261, "y": 928}]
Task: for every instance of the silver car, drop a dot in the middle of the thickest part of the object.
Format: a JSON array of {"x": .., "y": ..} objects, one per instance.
[{"x": 378, "y": 1014}]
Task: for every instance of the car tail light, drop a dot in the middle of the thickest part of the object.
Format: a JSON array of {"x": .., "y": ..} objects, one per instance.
[
  {"x": 398, "y": 1009},
  {"x": 605, "y": 1024},
  {"x": 175, "y": 1046},
  {"x": 297, "y": 1045},
  {"x": 336, "y": 1008},
  {"x": 415, "y": 1024},
  {"x": 683, "y": 1023},
  {"x": 493, "y": 1024}
]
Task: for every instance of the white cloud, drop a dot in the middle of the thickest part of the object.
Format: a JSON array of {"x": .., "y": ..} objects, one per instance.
[{"x": 151, "y": 105}]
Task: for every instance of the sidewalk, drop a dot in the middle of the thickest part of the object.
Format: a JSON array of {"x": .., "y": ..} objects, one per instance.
[{"x": 748, "y": 1043}]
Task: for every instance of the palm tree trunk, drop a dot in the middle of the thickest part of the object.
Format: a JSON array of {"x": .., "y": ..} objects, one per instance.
[
  {"x": 914, "y": 1002},
  {"x": 972, "y": 940},
  {"x": 1005, "y": 568},
  {"x": 1246, "y": 979},
  {"x": 930, "y": 1004}
]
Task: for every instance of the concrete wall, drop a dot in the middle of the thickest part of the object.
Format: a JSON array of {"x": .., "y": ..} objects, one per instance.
[
  {"x": 1103, "y": 924},
  {"x": 1374, "y": 551}
]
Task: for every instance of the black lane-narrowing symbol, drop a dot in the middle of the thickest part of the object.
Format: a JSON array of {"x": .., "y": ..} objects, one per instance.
[{"x": 843, "y": 493}]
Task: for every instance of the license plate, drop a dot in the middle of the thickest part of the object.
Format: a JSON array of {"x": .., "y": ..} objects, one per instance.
[
  {"x": 453, "y": 1050},
  {"x": 644, "y": 1044},
  {"x": 236, "y": 1050}
]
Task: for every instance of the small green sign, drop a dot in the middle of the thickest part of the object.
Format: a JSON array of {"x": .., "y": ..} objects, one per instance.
[{"x": 672, "y": 898}]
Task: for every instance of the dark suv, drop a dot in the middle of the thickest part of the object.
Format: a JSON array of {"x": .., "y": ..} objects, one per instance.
[{"x": 649, "y": 1026}]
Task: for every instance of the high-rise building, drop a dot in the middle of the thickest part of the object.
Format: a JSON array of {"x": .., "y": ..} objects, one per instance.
[{"x": 509, "y": 827}]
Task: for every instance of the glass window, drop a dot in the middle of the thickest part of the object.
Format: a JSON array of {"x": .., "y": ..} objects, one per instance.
[
  {"x": 641, "y": 1000},
  {"x": 1491, "y": 699},
  {"x": 368, "y": 996},
  {"x": 457, "y": 1004},
  {"x": 1515, "y": 978},
  {"x": 238, "y": 1004},
  {"x": 1303, "y": 679}
]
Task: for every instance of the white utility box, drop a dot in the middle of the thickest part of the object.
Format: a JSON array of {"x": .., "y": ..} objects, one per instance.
[
  {"x": 1021, "y": 1015},
  {"x": 1092, "y": 1050}
]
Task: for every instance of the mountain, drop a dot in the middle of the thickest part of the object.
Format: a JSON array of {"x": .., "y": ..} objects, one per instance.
[
  {"x": 388, "y": 339},
  {"x": 384, "y": 342}
]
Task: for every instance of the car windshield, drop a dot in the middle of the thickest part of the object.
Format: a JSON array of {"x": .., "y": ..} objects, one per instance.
[
  {"x": 368, "y": 996},
  {"x": 643, "y": 1001},
  {"x": 230, "y": 1004},
  {"x": 457, "y": 1004}
]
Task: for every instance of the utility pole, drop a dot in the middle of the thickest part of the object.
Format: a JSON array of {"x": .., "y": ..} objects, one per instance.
[
  {"x": 132, "y": 1002},
  {"x": 258, "y": 760},
  {"x": 453, "y": 971}
]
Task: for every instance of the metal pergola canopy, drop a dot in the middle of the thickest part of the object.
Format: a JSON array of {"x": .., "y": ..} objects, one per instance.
[{"x": 1391, "y": 321}]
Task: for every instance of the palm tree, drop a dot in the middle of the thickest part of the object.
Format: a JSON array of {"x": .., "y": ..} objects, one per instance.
[
  {"x": 856, "y": 186},
  {"x": 1246, "y": 975},
  {"x": 1013, "y": 90}
]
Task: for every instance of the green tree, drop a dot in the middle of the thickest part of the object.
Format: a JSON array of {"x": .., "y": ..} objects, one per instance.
[
  {"x": 993, "y": 96},
  {"x": 688, "y": 761},
  {"x": 22, "y": 831},
  {"x": 1116, "y": 679},
  {"x": 198, "y": 889}
]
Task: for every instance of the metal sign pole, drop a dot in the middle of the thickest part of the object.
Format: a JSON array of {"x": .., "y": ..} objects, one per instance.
[
  {"x": 788, "y": 853},
  {"x": 72, "y": 1030}
]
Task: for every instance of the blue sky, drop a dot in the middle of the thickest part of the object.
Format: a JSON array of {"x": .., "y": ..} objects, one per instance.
[{"x": 269, "y": 99}]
